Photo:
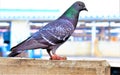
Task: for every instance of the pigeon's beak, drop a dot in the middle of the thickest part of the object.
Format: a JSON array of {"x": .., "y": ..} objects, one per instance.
[{"x": 85, "y": 9}]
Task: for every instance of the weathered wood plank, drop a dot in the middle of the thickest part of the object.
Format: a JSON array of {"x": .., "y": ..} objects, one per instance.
[{"x": 25, "y": 66}]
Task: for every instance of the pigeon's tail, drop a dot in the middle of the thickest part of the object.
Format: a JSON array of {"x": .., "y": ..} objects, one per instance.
[
  {"x": 28, "y": 44},
  {"x": 14, "y": 52}
]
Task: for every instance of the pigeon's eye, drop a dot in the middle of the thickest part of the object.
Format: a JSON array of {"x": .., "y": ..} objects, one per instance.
[{"x": 79, "y": 4}]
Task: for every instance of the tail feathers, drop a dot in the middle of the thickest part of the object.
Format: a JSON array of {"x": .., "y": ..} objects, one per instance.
[{"x": 13, "y": 54}]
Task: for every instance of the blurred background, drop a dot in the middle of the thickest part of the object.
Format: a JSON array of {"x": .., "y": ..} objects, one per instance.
[{"x": 97, "y": 33}]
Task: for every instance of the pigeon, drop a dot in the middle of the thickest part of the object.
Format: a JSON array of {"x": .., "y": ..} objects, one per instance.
[{"x": 52, "y": 35}]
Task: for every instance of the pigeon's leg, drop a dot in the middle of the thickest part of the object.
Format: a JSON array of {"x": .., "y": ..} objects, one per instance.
[
  {"x": 48, "y": 50},
  {"x": 54, "y": 56}
]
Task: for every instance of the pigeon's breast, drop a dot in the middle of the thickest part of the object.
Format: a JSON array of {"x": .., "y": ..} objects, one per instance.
[{"x": 57, "y": 31}]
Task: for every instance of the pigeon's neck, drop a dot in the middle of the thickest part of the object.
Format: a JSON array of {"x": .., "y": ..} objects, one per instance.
[{"x": 72, "y": 15}]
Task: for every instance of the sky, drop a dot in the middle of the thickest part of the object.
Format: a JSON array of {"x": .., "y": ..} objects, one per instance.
[{"x": 95, "y": 7}]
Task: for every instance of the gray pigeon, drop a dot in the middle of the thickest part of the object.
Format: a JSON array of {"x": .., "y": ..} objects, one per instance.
[{"x": 52, "y": 35}]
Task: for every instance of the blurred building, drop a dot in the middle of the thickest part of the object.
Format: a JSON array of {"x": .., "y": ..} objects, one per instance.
[{"x": 97, "y": 32}]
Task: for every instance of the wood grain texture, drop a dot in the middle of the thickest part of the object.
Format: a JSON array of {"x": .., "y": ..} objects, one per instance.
[{"x": 25, "y": 66}]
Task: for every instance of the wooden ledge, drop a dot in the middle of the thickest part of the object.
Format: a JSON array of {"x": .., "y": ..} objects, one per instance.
[{"x": 25, "y": 66}]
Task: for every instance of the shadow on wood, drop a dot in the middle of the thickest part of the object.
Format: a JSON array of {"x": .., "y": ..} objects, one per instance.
[{"x": 25, "y": 66}]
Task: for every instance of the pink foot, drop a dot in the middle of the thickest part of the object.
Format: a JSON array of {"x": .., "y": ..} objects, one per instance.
[{"x": 55, "y": 57}]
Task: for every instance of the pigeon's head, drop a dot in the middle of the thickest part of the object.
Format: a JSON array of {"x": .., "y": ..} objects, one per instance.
[{"x": 80, "y": 6}]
